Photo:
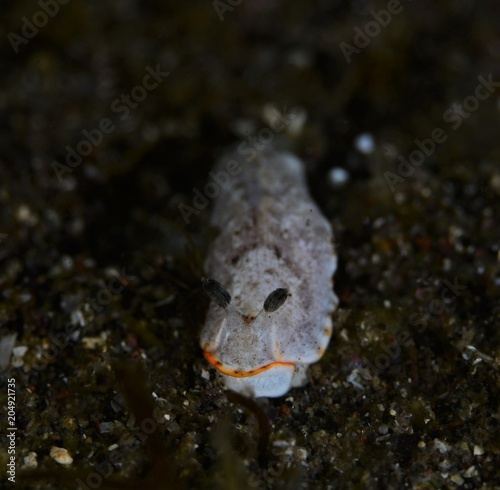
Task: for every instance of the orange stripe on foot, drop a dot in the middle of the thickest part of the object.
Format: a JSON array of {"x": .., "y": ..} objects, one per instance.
[{"x": 241, "y": 374}]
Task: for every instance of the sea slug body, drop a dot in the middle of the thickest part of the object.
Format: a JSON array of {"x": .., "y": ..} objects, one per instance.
[{"x": 271, "y": 277}]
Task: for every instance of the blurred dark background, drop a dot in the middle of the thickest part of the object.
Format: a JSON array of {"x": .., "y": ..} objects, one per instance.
[{"x": 362, "y": 92}]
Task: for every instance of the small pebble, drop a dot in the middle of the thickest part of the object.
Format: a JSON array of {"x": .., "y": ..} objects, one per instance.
[
  {"x": 337, "y": 177},
  {"x": 105, "y": 427},
  {"x": 283, "y": 443},
  {"x": 441, "y": 446},
  {"x": 298, "y": 118},
  {"x": 25, "y": 215},
  {"x": 6, "y": 345},
  {"x": 93, "y": 342},
  {"x": 30, "y": 462},
  {"x": 470, "y": 472},
  {"x": 364, "y": 143},
  {"x": 301, "y": 453},
  {"x": 60, "y": 455},
  {"x": 19, "y": 351}
]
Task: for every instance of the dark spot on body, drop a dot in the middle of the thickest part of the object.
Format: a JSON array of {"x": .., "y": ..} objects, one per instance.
[{"x": 248, "y": 319}]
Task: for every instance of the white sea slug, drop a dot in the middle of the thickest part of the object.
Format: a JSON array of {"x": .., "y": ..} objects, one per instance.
[{"x": 270, "y": 270}]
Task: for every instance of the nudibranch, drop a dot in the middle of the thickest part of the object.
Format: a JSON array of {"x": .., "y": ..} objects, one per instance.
[{"x": 271, "y": 276}]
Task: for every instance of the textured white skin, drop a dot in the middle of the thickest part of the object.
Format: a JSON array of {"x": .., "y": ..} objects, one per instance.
[
  {"x": 275, "y": 381},
  {"x": 272, "y": 235}
]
